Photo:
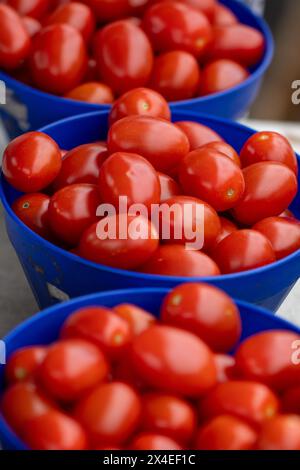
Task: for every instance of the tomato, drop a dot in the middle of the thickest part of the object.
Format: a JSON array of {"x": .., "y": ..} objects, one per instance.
[
  {"x": 58, "y": 60},
  {"x": 221, "y": 75},
  {"x": 72, "y": 209},
  {"x": 156, "y": 360},
  {"x": 238, "y": 42},
  {"x": 137, "y": 318},
  {"x": 176, "y": 75},
  {"x": 75, "y": 14},
  {"x": 55, "y": 431},
  {"x": 225, "y": 365},
  {"x": 111, "y": 10},
  {"x": 223, "y": 16},
  {"x": 102, "y": 243},
  {"x": 152, "y": 441},
  {"x": 283, "y": 233},
  {"x": 290, "y": 400},
  {"x": 267, "y": 357},
  {"x": 110, "y": 413},
  {"x": 100, "y": 326},
  {"x": 270, "y": 188},
  {"x": 226, "y": 149},
  {"x": 124, "y": 56},
  {"x": 280, "y": 433},
  {"x": 92, "y": 92},
  {"x": 32, "y": 210},
  {"x": 31, "y": 162},
  {"x": 23, "y": 364},
  {"x": 32, "y": 25},
  {"x": 250, "y": 401},
  {"x": 14, "y": 39},
  {"x": 226, "y": 433},
  {"x": 123, "y": 372},
  {"x": 192, "y": 263},
  {"x": 129, "y": 175},
  {"x": 198, "y": 134},
  {"x": 168, "y": 415},
  {"x": 143, "y": 135},
  {"x": 243, "y": 250},
  {"x": 210, "y": 175},
  {"x": 173, "y": 25},
  {"x": 227, "y": 227},
  {"x": 206, "y": 6},
  {"x": 168, "y": 187},
  {"x": 205, "y": 311},
  {"x": 34, "y": 8},
  {"x": 268, "y": 146}
]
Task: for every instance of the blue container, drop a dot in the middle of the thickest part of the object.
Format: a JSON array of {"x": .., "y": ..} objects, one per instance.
[
  {"x": 28, "y": 108},
  {"x": 55, "y": 274},
  {"x": 44, "y": 329}
]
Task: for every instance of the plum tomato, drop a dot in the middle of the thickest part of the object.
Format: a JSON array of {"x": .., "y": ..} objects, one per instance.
[
  {"x": 280, "y": 433},
  {"x": 221, "y": 75},
  {"x": 143, "y": 135},
  {"x": 243, "y": 250},
  {"x": 137, "y": 318},
  {"x": 32, "y": 210},
  {"x": 223, "y": 16},
  {"x": 92, "y": 92},
  {"x": 270, "y": 188},
  {"x": 168, "y": 187},
  {"x": 35, "y": 8},
  {"x": 227, "y": 227},
  {"x": 225, "y": 365},
  {"x": 152, "y": 441},
  {"x": 174, "y": 361},
  {"x": 198, "y": 134},
  {"x": 206, "y": 311},
  {"x": 205, "y": 6},
  {"x": 32, "y": 25},
  {"x": 226, "y": 149},
  {"x": 24, "y": 363},
  {"x": 31, "y": 162},
  {"x": 107, "y": 11},
  {"x": 210, "y": 175}
]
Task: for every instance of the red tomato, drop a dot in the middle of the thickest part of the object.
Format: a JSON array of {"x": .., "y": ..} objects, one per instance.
[
  {"x": 268, "y": 357},
  {"x": 268, "y": 146},
  {"x": 32, "y": 210},
  {"x": 124, "y": 56},
  {"x": 151, "y": 441},
  {"x": 92, "y": 92},
  {"x": 173, "y": 25},
  {"x": 283, "y": 233},
  {"x": 280, "y": 433},
  {"x": 140, "y": 101},
  {"x": 23, "y": 363},
  {"x": 34, "y": 8},
  {"x": 226, "y": 433},
  {"x": 137, "y": 318},
  {"x": 58, "y": 60},
  {"x": 250, "y": 401},
  {"x": 71, "y": 368},
  {"x": 168, "y": 415},
  {"x": 55, "y": 431},
  {"x": 290, "y": 400},
  {"x": 270, "y": 188},
  {"x": 226, "y": 149},
  {"x": 206, "y": 6},
  {"x": 110, "y": 413},
  {"x": 156, "y": 359},
  {"x": 32, "y": 25},
  {"x": 168, "y": 187},
  {"x": 221, "y": 75},
  {"x": 225, "y": 365},
  {"x": 111, "y": 10},
  {"x": 198, "y": 134},
  {"x": 176, "y": 75},
  {"x": 103, "y": 244},
  {"x": 129, "y": 175},
  {"x": 210, "y": 175},
  {"x": 31, "y": 162},
  {"x": 72, "y": 210},
  {"x": 100, "y": 326},
  {"x": 143, "y": 135},
  {"x": 223, "y": 16},
  {"x": 123, "y": 372},
  {"x": 227, "y": 227},
  {"x": 243, "y": 250},
  {"x": 205, "y": 311}
]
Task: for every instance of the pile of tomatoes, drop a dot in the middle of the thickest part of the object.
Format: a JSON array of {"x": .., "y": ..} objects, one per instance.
[
  {"x": 95, "y": 50},
  {"x": 121, "y": 379}
]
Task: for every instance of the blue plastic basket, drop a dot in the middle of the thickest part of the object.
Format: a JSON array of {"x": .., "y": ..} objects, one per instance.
[
  {"x": 28, "y": 108},
  {"x": 55, "y": 274}
]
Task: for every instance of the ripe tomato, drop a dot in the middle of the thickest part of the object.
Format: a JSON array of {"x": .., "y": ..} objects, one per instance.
[
  {"x": 143, "y": 135},
  {"x": 220, "y": 75},
  {"x": 206, "y": 311},
  {"x": 243, "y": 250},
  {"x": 110, "y": 413},
  {"x": 267, "y": 357},
  {"x": 23, "y": 364},
  {"x": 226, "y": 149},
  {"x": 92, "y": 92},
  {"x": 72, "y": 209},
  {"x": 198, "y": 134},
  {"x": 100, "y": 326},
  {"x": 280, "y": 433},
  {"x": 290, "y": 400},
  {"x": 124, "y": 56},
  {"x": 268, "y": 146},
  {"x": 31, "y": 162},
  {"x": 137, "y": 318},
  {"x": 176, "y": 75},
  {"x": 129, "y": 175},
  {"x": 34, "y": 8},
  {"x": 192, "y": 263},
  {"x": 168, "y": 187},
  {"x": 250, "y": 401},
  {"x": 223, "y": 16},
  {"x": 206, "y": 6},
  {"x": 123, "y": 372},
  {"x": 151, "y": 441},
  {"x": 227, "y": 227},
  {"x": 156, "y": 360},
  {"x": 58, "y": 60},
  {"x": 55, "y": 431},
  {"x": 168, "y": 415},
  {"x": 283, "y": 233},
  {"x": 111, "y": 10},
  {"x": 173, "y": 25},
  {"x": 270, "y": 188},
  {"x": 32, "y": 210},
  {"x": 140, "y": 101},
  {"x": 226, "y": 433},
  {"x": 210, "y": 175},
  {"x": 105, "y": 243},
  {"x": 225, "y": 365},
  {"x": 32, "y": 25}
]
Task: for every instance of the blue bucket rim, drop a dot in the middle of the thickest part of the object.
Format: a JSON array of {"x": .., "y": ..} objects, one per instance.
[{"x": 262, "y": 67}]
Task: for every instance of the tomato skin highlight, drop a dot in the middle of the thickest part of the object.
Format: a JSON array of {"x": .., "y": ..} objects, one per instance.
[
  {"x": 92, "y": 92},
  {"x": 221, "y": 75},
  {"x": 34, "y": 8},
  {"x": 280, "y": 433},
  {"x": 14, "y": 39},
  {"x": 198, "y": 134},
  {"x": 137, "y": 318},
  {"x": 151, "y": 441},
  {"x": 224, "y": 148},
  {"x": 23, "y": 364},
  {"x": 168, "y": 187}
]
